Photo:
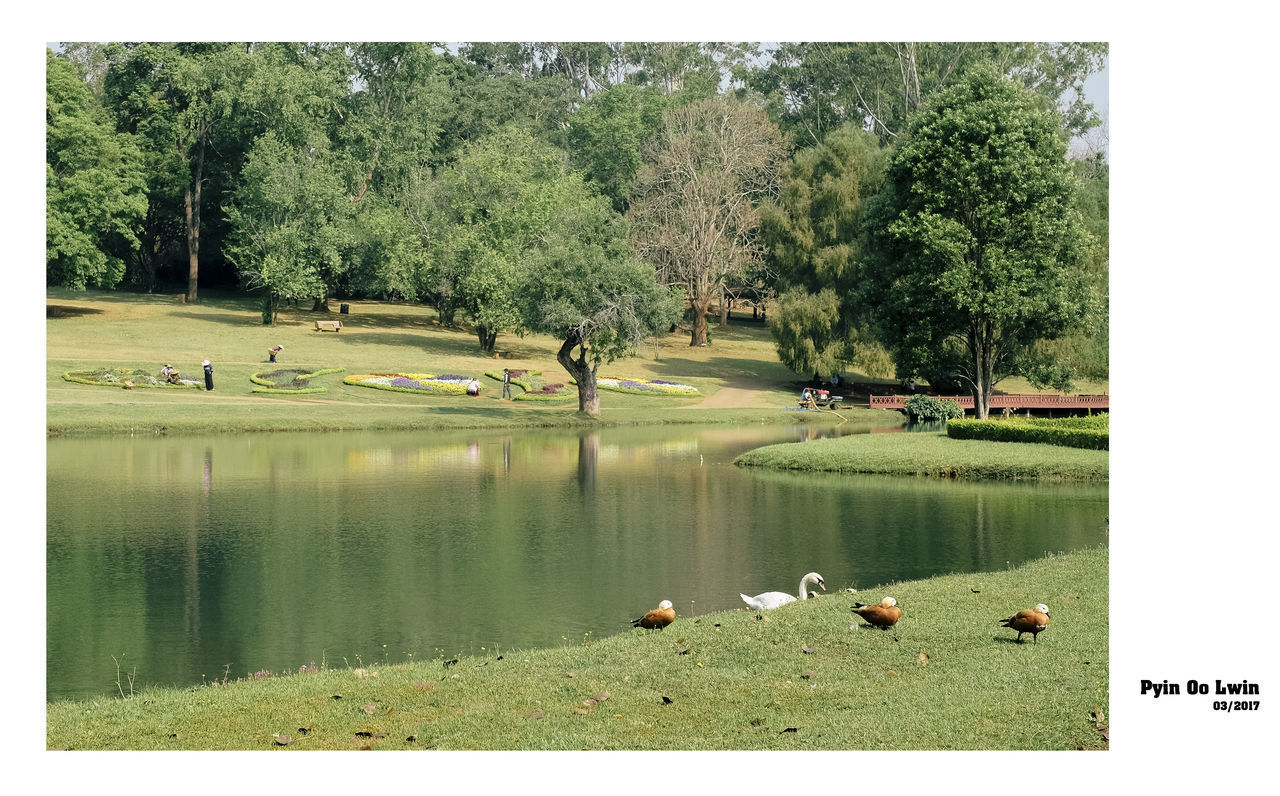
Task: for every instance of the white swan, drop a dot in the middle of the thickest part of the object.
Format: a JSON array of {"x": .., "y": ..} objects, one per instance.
[{"x": 773, "y": 599}]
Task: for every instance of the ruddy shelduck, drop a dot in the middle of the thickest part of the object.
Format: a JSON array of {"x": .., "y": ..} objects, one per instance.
[
  {"x": 658, "y": 618},
  {"x": 884, "y": 616},
  {"x": 1031, "y": 620},
  {"x": 773, "y": 599}
]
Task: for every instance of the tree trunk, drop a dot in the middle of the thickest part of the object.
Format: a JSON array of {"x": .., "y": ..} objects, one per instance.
[
  {"x": 983, "y": 347},
  {"x": 699, "y": 334},
  {"x": 488, "y": 339},
  {"x": 321, "y": 304},
  {"x": 191, "y": 200},
  {"x": 725, "y": 306},
  {"x": 583, "y": 373}
]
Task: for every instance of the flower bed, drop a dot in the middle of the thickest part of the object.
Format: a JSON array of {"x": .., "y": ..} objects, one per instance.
[
  {"x": 117, "y": 377},
  {"x": 430, "y": 383},
  {"x": 534, "y": 388},
  {"x": 290, "y": 381},
  {"x": 645, "y": 386}
]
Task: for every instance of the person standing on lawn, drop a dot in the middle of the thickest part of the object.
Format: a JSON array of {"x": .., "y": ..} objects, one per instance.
[
  {"x": 208, "y": 375},
  {"x": 506, "y": 383}
]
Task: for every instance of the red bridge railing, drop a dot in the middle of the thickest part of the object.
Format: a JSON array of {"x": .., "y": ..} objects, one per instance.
[{"x": 1007, "y": 401}]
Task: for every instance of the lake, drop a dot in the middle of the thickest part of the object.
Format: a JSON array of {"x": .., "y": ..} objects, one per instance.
[{"x": 191, "y": 558}]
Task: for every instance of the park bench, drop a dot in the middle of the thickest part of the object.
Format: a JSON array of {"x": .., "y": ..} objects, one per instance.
[{"x": 328, "y": 326}]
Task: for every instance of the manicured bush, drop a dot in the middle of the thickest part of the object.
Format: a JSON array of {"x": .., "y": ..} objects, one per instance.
[
  {"x": 1091, "y": 433},
  {"x": 290, "y": 381},
  {"x": 926, "y": 408}
]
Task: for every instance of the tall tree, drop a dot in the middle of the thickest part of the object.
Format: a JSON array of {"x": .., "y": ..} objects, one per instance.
[
  {"x": 497, "y": 204},
  {"x": 584, "y": 286},
  {"x": 94, "y": 185},
  {"x": 289, "y": 216},
  {"x": 695, "y": 217},
  {"x": 979, "y": 243},
  {"x": 815, "y": 234},
  {"x": 176, "y": 95}
]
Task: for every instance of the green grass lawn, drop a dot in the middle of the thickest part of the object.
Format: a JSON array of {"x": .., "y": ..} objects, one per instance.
[
  {"x": 932, "y": 454},
  {"x": 99, "y": 329},
  {"x": 946, "y": 677}
]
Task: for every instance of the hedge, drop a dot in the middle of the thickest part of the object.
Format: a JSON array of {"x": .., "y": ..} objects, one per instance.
[{"x": 1092, "y": 433}]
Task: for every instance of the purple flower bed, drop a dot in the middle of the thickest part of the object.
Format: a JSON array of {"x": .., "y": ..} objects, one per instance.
[{"x": 413, "y": 384}]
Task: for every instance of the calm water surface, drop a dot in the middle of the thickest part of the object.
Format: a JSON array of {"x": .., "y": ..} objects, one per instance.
[{"x": 184, "y": 557}]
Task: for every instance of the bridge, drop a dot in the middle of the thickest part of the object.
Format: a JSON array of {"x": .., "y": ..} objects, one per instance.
[{"x": 1011, "y": 402}]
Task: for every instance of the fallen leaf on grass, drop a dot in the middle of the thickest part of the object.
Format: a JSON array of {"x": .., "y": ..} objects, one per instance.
[
  {"x": 175, "y": 735},
  {"x": 680, "y": 640},
  {"x": 807, "y": 674},
  {"x": 282, "y": 740},
  {"x": 924, "y": 659},
  {"x": 891, "y": 673},
  {"x": 600, "y": 696},
  {"x": 682, "y": 650},
  {"x": 421, "y": 686},
  {"x": 369, "y": 708},
  {"x": 589, "y": 703},
  {"x": 581, "y": 711},
  {"x": 570, "y": 674},
  {"x": 306, "y": 729},
  {"x": 790, "y": 729},
  {"x": 807, "y": 650},
  {"x": 666, "y": 700},
  {"x": 336, "y": 696},
  {"x": 533, "y": 715}
]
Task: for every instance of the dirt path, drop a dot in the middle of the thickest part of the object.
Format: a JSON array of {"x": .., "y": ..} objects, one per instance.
[{"x": 736, "y": 396}]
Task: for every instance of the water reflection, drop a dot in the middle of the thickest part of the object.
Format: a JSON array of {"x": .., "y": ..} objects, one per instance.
[{"x": 325, "y": 547}]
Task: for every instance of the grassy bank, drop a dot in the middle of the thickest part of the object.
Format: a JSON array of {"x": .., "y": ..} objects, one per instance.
[
  {"x": 932, "y": 454},
  {"x": 738, "y": 377},
  {"x": 947, "y": 677}
]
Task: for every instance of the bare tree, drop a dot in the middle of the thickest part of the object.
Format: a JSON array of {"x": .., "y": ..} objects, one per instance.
[{"x": 696, "y": 218}]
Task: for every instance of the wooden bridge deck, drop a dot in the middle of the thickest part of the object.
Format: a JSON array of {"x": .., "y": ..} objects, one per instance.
[{"x": 1011, "y": 402}]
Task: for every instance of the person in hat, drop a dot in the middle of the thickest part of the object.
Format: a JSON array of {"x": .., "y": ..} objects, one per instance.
[
  {"x": 273, "y": 350},
  {"x": 208, "y": 375}
]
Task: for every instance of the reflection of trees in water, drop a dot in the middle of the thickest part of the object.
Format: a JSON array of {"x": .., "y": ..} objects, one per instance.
[{"x": 588, "y": 460}]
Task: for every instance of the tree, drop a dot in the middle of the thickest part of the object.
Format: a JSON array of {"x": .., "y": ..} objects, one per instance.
[
  {"x": 695, "y": 217},
  {"x": 94, "y": 185},
  {"x": 814, "y": 87},
  {"x": 815, "y": 236},
  {"x": 585, "y": 287},
  {"x": 289, "y": 219},
  {"x": 607, "y": 133},
  {"x": 978, "y": 241},
  {"x": 175, "y": 96},
  {"x": 497, "y": 204}
]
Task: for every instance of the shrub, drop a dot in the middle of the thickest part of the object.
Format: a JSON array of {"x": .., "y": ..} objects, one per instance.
[
  {"x": 926, "y": 408},
  {"x": 1092, "y": 433}
]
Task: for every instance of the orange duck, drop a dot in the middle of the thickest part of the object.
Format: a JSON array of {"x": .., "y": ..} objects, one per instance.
[
  {"x": 1031, "y": 620},
  {"x": 658, "y": 618},
  {"x": 884, "y": 616}
]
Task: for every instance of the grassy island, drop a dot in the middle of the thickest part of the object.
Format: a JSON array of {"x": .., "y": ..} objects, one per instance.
[
  {"x": 798, "y": 677},
  {"x": 932, "y": 454}
]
